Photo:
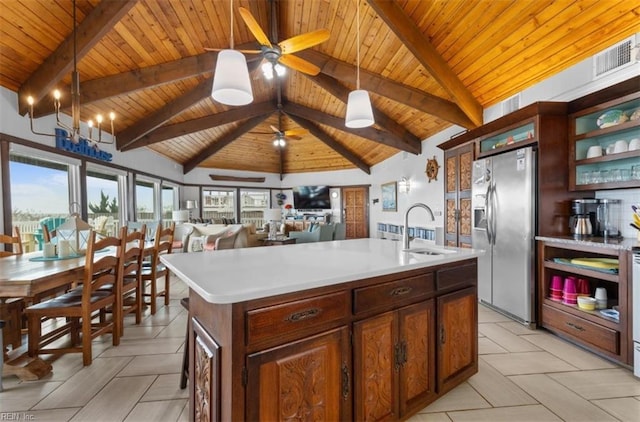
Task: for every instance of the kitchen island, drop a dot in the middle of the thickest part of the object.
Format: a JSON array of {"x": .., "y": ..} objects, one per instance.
[{"x": 343, "y": 330}]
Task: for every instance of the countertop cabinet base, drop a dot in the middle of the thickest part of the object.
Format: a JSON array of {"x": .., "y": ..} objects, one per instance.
[{"x": 362, "y": 350}]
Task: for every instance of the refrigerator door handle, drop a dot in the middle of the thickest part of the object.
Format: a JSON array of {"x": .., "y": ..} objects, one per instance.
[
  {"x": 494, "y": 208},
  {"x": 487, "y": 207}
]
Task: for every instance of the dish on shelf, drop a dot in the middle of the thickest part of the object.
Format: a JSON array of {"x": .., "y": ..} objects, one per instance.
[
  {"x": 586, "y": 303},
  {"x": 602, "y": 263},
  {"x": 611, "y": 118},
  {"x": 634, "y": 114},
  {"x": 611, "y": 313}
]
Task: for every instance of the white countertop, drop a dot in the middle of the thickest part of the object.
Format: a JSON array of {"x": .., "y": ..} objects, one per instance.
[{"x": 237, "y": 275}]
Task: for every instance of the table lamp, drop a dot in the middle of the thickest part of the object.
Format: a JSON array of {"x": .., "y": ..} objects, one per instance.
[{"x": 273, "y": 216}]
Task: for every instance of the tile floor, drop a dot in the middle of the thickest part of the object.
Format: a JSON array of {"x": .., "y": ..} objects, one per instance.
[{"x": 524, "y": 375}]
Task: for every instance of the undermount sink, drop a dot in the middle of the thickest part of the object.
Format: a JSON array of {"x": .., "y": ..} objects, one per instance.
[{"x": 429, "y": 251}]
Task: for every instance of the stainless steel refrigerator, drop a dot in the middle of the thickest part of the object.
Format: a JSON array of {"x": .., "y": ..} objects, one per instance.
[{"x": 503, "y": 201}]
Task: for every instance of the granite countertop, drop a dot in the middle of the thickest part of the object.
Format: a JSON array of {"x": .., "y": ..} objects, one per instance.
[
  {"x": 625, "y": 243},
  {"x": 236, "y": 275}
]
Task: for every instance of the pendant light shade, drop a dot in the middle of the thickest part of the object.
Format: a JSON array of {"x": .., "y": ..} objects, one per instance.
[
  {"x": 231, "y": 84},
  {"x": 359, "y": 111}
]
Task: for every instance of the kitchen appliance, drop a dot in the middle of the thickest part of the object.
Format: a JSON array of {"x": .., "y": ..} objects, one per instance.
[
  {"x": 608, "y": 215},
  {"x": 503, "y": 220},
  {"x": 635, "y": 286},
  {"x": 582, "y": 226},
  {"x": 580, "y": 208}
]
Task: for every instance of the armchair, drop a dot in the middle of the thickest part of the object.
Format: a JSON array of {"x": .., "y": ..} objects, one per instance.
[
  {"x": 339, "y": 231},
  {"x": 234, "y": 237},
  {"x": 181, "y": 236},
  {"x": 319, "y": 233}
]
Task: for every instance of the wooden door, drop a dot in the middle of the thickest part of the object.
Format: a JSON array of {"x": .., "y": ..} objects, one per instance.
[
  {"x": 302, "y": 380},
  {"x": 375, "y": 368},
  {"x": 458, "y": 165},
  {"x": 356, "y": 215},
  {"x": 418, "y": 370},
  {"x": 457, "y": 337}
]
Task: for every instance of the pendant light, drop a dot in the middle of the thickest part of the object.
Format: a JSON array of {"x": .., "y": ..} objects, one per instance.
[
  {"x": 359, "y": 111},
  {"x": 231, "y": 84}
]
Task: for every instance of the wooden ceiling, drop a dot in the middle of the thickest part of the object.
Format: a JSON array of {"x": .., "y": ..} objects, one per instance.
[{"x": 426, "y": 64}]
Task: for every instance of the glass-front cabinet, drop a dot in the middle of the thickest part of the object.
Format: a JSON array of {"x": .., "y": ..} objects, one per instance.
[{"x": 605, "y": 145}]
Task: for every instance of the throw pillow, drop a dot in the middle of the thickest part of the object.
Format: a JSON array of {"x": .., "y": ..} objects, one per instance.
[{"x": 311, "y": 227}]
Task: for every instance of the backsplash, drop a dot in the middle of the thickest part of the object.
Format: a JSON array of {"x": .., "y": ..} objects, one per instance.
[{"x": 628, "y": 197}]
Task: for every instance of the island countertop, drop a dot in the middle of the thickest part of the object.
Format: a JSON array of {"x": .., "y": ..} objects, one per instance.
[{"x": 237, "y": 275}]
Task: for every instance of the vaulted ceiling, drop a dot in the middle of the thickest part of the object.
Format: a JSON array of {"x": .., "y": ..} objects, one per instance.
[{"x": 427, "y": 64}]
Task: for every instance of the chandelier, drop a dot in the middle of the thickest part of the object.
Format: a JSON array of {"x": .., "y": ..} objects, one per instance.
[{"x": 72, "y": 132}]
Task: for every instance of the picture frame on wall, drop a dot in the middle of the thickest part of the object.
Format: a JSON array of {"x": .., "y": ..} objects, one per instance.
[{"x": 390, "y": 196}]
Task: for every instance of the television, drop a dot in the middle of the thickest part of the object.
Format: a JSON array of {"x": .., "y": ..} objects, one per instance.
[{"x": 311, "y": 198}]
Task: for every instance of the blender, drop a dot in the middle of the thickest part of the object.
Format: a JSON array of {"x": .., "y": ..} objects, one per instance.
[{"x": 608, "y": 215}]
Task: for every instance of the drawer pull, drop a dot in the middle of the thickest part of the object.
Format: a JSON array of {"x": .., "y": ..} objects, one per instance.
[
  {"x": 399, "y": 291},
  {"x": 574, "y": 326},
  {"x": 302, "y": 315}
]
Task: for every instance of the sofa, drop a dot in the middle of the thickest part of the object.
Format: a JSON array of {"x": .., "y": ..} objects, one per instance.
[{"x": 208, "y": 232}]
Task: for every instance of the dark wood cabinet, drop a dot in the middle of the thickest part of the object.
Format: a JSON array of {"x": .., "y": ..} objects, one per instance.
[
  {"x": 301, "y": 380},
  {"x": 607, "y": 336},
  {"x": 394, "y": 362},
  {"x": 457, "y": 195},
  {"x": 457, "y": 338},
  {"x": 361, "y": 350}
]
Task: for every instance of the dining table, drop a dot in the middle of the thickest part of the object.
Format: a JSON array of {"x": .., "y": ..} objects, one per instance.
[{"x": 31, "y": 276}]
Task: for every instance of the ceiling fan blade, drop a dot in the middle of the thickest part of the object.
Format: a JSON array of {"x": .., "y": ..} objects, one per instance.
[
  {"x": 254, "y": 27},
  {"x": 302, "y": 41},
  {"x": 299, "y": 64},
  {"x": 297, "y": 138},
  {"x": 274, "y": 129},
  {"x": 295, "y": 132}
]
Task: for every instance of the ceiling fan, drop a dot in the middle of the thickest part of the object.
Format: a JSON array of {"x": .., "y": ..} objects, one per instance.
[
  {"x": 281, "y": 53},
  {"x": 280, "y": 137}
]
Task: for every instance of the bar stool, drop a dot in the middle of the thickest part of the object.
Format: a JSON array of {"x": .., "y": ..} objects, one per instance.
[{"x": 184, "y": 375}]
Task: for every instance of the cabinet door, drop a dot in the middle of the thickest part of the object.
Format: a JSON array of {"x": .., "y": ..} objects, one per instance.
[
  {"x": 204, "y": 375},
  {"x": 417, "y": 339},
  {"x": 458, "y": 164},
  {"x": 457, "y": 337},
  {"x": 376, "y": 368},
  {"x": 303, "y": 380}
]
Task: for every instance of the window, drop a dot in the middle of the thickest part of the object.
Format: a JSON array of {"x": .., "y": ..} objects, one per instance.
[
  {"x": 103, "y": 208},
  {"x": 253, "y": 202},
  {"x": 145, "y": 203},
  {"x": 169, "y": 201},
  {"x": 39, "y": 194},
  {"x": 218, "y": 204}
]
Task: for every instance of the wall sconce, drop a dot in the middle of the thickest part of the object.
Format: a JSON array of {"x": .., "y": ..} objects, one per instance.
[{"x": 404, "y": 185}]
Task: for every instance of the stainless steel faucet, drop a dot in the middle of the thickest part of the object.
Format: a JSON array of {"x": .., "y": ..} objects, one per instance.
[{"x": 405, "y": 232}]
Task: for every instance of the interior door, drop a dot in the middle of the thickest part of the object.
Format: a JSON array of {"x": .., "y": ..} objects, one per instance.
[{"x": 356, "y": 213}]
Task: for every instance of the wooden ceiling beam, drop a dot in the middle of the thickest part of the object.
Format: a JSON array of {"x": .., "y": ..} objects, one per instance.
[
  {"x": 176, "y": 130},
  {"x": 129, "y": 136},
  {"x": 89, "y": 32},
  {"x": 403, "y": 94},
  {"x": 316, "y": 131},
  {"x": 371, "y": 133},
  {"x": 225, "y": 140},
  {"x": 411, "y": 36},
  {"x": 144, "y": 78},
  {"x": 341, "y": 92}
]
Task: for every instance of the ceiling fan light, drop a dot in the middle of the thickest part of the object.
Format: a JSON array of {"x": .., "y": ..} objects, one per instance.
[
  {"x": 231, "y": 84},
  {"x": 359, "y": 111},
  {"x": 267, "y": 70},
  {"x": 280, "y": 69}
]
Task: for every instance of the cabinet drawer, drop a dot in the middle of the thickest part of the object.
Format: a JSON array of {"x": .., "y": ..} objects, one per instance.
[
  {"x": 457, "y": 277},
  {"x": 583, "y": 330},
  {"x": 392, "y": 294},
  {"x": 296, "y": 316}
]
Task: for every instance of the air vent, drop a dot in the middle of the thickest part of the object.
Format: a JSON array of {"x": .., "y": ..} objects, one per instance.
[
  {"x": 511, "y": 104},
  {"x": 613, "y": 58}
]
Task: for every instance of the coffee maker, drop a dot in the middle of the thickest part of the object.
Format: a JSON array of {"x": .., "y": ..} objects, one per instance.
[{"x": 583, "y": 220}]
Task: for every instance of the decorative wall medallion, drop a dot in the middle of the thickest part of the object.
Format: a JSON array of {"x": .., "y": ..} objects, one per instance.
[{"x": 432, "y": 169}]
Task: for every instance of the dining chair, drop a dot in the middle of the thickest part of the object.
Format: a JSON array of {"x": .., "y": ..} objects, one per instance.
[
  {"x": 129, "y": 270},
  {"x": 48, "y": 235},
  {"x": 80, "y": 306},
  {"x": 15, "y": 241},
  {"x": 163, "y": 241}
]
